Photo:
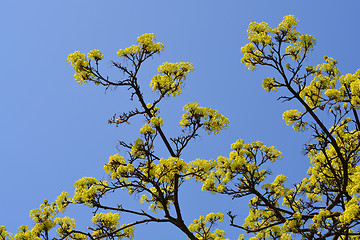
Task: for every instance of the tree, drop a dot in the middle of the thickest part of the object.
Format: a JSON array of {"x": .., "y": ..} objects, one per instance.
[{"x": 323, "y": 205}]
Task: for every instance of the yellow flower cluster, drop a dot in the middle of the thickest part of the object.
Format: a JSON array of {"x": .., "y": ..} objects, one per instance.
[
  {"x": 153, "y": 110},
  {"x": 355, "y": 87},
  {"x": 146, "y": 44},
  {"x": 259, "y": 39},
  {"x": 201, "y": 229},
  {"x": 325, "y": 172},
  {"x": 149, "y": 170},
  {"x": 258, "y": 216},
  {"x": 333, "y": 94},
  {"x": 259, "y": 33},
  {"x": 293, "y": 117},
  {"x": 354, "y": 186},
  {"x": 306, "y": 42},
  {"x": 213, "y": 121},
  {"x": 105, "y": 223},
  {"x": 132, "y": 50},
  {"x": 319, "y": 218},
  {"x": 351, "y": 81},
  {"x": 66, "y": 225},
  {"x": 277, "y": 188},
  {"x": 108, "y": 223},
  {"x": 81, "y": 65},
  {"x": 127, "y": 232},
  {"x": 268, "y": 223},
  {"x": 5, "y": 234},
  {"x": 251, "y": 58},
  {"x": 311, "y": 94},
  {"x": 156, "y": 122},
  {"x": 43, "y": 218},
  {"x": 329, "y": 67},
  {"x": 173, "y": 76},
  {"x": 326, "y": 76},
  {"x": 352, "y": 211},
  {"x": 164, "y": 173},
  {"x": 95, "y": 55},
  {"x": 354, "y": 80},
  {"x": 287, "y": 28},
  {"x": 87, "y": 189},
  {"x": 137, "y": 149},
  {"x": 269, "y": 84},
  {"x": 241, "y": 165},
  {"x": 26, "y": 234},
  {"x": 171, "y": 166},
  {"x": 147, "y": 129},
  {"x": 293, "y": 51},
  {"x": 200, "y": 168},
  {"x": 62, "y": 201},
  {"x": 117, "y": 167}
]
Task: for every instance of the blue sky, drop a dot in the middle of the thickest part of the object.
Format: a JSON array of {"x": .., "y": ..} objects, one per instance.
[{"x": 54, "y": 131}]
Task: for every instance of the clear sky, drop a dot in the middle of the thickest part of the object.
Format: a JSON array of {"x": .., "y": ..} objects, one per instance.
[{"x": 54, "y": 131}]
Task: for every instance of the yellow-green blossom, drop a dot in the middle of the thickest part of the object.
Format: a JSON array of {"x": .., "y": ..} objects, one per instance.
[
  {"x": 147, "y": 129},
  {"x": 95, "y": 55},
  {"x": 173, "y": 76},
  {"x": 80, "y": 63},
  {"x": 270, "y": 85},
  {"x": 213, "y": 121},
  {"x": 146, "y": 44}
]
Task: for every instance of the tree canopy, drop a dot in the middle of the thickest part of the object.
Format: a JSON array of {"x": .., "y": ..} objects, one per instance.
[{"x": 324, "y": 205}]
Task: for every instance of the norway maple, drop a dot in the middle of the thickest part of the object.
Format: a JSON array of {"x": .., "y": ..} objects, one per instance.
[{"x": 325, "y": 204}]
